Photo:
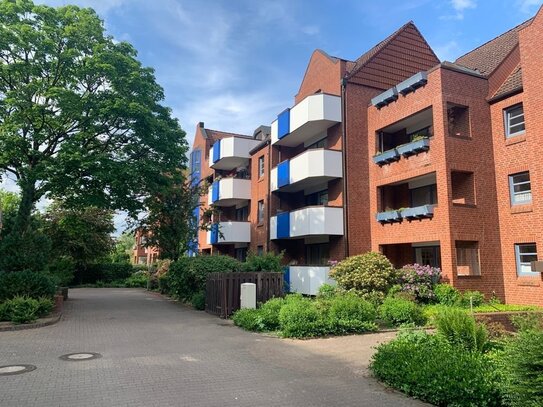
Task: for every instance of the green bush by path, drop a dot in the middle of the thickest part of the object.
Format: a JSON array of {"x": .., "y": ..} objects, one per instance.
[
  {"x": 26, "y": 283},
  {"x": 446, "y": 294},
  {"x": 398, "y": 311},
  {"x": 24, "y": 309},
  {"x": 459, "y": 328},
  {"x": 349, "y": 313},
  {"x": 301, "y": 319},
  {"x": 138, "y": 279},
  {"x": 265, "y": 262},
  {"x": 475, "y": 298},
  {"x": 370, "y": 275},
  {"x": 427, "y": 367},
  {"x": 198, "y": 300},
  {"x": 248, "y": 319}
]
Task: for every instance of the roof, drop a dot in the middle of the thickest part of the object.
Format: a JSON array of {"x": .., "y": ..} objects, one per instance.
[
  {"x": 511, "y": 85},
  {"x": 486, "y": 58},
  {"x": 216, "y": 134}
]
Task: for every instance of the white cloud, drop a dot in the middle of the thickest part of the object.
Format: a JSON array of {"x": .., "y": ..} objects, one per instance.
[
  {"x": 459, "y": 6},
  {"x": 448, "y": 51},
  {"x": 529, "y": 6}
]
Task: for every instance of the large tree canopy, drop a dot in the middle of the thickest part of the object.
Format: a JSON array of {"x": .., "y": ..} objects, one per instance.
[{"x": 80, "y": 118}]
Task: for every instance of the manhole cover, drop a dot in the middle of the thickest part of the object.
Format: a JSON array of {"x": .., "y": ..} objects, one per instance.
[
  {"x": 76, "y": 357},
  {"x": 15, "y": 369}
]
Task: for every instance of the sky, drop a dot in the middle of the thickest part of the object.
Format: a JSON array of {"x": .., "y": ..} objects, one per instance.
[{"x": 235, "y": 64}]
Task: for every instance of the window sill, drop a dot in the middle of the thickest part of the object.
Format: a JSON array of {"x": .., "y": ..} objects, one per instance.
[
  {"x": 521, "y": 208},
  {"x": 462, "y": 205},
  {"x": 529, "y": 281},
  {"x": 515, "y": 139},
  {"x": 466, "y": 276}
]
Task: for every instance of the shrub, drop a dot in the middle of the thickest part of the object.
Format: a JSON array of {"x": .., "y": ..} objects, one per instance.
[
  {"x": 248, "y": 319},
  {"x": 523, "y": 368},
  {"x": 477, "y": 298},
  {"x": 62, "y": 270},
  {"x": 45, "y": 306},
  {"x": 370, "y": 274},
  {"x": 528, "y": 322},
  {"x": 349, "y": 313},
  {"x": 398, "y": 311},
  {"x": 419, "y": 281},
  {"x": 427, "y": 367},
  {"x": 326, "y": 291},
  {"x": 27, "y": 251},
  {"x": 187, "y": 276},
  {"x": 138, "y": 279},
  {"x": 26, "y": 283},
  {"x": 198, "y": 300},
  {"x": 163, "y": 286},
  {"x": 459, "y": 328},
  {"x": 21, "y": 309},
  {"x": 269, "y": 314},
  {"x": 105, "y": 272},
  {"x": 446, "y": 294},
  {"x": 265, "y": 262},
  {"x": 300, "y": 318}
]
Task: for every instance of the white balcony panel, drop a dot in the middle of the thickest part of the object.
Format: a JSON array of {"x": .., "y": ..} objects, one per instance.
[
  {"x": 273, "y": 228},
  {"x": 311, "y": 116},
  {"x": 234, "y": 153},
  {"x": 232, "y": 191},
  {"x": 307, "y": 279},
  {"x": 311, "y": 168},
  {"x": 232, "y": 232},
  {"x": 316, "y": 220}
]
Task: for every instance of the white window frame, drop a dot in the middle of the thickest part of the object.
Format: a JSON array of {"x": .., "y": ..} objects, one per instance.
[
  {"x": 260, "y": 166},
  {"x": 260, "y": 211},
  {"x": 507, "y": 115},
  {"x": 514, "y": 195},
  {"x": 522, "y": 265}
]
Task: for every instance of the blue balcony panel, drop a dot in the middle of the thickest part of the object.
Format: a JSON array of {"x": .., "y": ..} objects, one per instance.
[
  {"x": 389, "y": 217},
  {"x": 283, "y": 174},
  {"x": 215, "y": 191},
  {"x": 414, "y": 147},
  {"x": 283, "y": 124},
  {"x": 418, "y": 212},
  {"x": 283, "y": 225},
  {"x": 214, "y": 239},
  {"x": 410, "y": 84},
  {"x": 386, "y": 157},
  {"x": 217, "y": 151}
]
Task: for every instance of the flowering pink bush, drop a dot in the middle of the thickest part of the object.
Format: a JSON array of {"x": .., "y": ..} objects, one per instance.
[{"x": 419, "y": 281}]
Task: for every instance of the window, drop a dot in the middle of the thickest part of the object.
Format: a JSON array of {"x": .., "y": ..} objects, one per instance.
[
  {"x": 260, "y": 213},
  {"x": 514, "y": 121},
  {"x": 458, "y": 120},
  {"x": 525, "y": 253},
  {"x": 318, "y": 144},
  {"x": 317, "y": 254},
  {"x": 419, "y": 134},
  {"x": 260, "y": 250},
  {"x": 195, "y": 161},
  {"x": 260, "y": 167},
  {"x": 520, "y": 188},
  {"x": 426, "y": 195},
  {"x": 241, "y": 253},
  {"x": 428, "y": 256},
  {"x": 467, "y": 258},
  {"x": 317, "y": 198},
  {"x": 242, "y": 214}
]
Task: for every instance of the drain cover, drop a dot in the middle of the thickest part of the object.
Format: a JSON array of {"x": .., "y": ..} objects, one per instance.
[
  {"x": 15, "y": 369},
  {"x": 76, "y": 357}
]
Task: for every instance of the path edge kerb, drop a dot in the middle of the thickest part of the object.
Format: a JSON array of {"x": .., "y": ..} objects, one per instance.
[{"x": 51, "y": 321}]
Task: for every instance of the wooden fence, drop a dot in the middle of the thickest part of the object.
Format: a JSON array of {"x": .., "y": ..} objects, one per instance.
[{"x": 223, "y": 290}]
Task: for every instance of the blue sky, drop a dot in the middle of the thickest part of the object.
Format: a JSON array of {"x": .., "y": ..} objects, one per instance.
[{"x": 235, "y": 64}]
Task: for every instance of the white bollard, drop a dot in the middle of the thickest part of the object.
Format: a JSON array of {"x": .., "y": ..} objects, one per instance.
[{"x": 248, "y": 295}]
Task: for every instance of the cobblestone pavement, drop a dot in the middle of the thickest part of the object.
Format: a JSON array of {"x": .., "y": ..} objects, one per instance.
[{"x": 159, "y": 353}]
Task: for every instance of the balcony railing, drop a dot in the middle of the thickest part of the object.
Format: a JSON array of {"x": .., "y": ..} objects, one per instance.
[
  {"x": 418, "y": 212},
  {"x": 307, "y": 169},
  {"x": 386, "y": 157},
  {"x": 231, "y": 152},
  {"x": 307, "y": 279},
  {"x": 229, "y": 232},
  {"x": 313, "y": 115},
  {"x": 414, "y": 148},
  {"x": 308, "y": 221},
  {"x": 229, "y": 192}
]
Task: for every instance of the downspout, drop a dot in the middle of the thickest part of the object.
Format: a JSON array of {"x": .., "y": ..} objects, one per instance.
[
  {"x": 344, "y": 164},
  {"x": 268, "y": 204}
]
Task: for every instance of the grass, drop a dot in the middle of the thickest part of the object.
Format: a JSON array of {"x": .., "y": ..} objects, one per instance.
[{"x": 431, "y": 311}]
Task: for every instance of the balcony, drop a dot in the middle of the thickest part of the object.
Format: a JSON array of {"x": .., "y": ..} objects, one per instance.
[
  {"x": 307, "y": 279},
  {"x": 310, "y": 168},
  {"x": 312, "y": 116},
  {"x": 229, "y": 192},
  {"x": 231, "y": 152},
  {"x": 229, "y": 232},
  {"x": 418, "y": 212},
  {"x": 389, "y": 217},
  {"x": 308, "y": 221},
  {"x": 406, "y": 138}
]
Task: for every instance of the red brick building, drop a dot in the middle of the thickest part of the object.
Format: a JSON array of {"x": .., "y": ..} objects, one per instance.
[{"x": 425, "y": 161}]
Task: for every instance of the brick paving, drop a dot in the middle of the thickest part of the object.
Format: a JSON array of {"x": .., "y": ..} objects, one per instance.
[{"x": 159, "y": 353}]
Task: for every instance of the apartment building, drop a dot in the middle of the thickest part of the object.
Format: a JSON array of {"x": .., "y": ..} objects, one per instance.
[{"x": 425, "y": 161}]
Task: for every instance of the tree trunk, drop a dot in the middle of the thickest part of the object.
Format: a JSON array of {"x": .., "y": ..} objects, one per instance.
[{"x": 24, "y": 213}]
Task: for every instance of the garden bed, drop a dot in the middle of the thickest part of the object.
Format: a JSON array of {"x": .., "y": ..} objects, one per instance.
[{"x": 40, "y": 322}]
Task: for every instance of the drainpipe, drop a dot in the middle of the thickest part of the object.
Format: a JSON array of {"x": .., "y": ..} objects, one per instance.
[
  {"x": 344, "y": 163},
  {"x": 268, "y": 204}
]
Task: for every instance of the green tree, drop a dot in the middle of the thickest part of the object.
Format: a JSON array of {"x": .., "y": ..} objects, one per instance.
[
  {"x": 83, "y": 235},
  {"x": 123, "y": 248},
  {"x": 9, "y": 202},
  {"x": 81, "y": 119}
]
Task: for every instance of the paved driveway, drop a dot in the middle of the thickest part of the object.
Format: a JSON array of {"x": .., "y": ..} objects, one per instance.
[{"x": 159, "y": 353}]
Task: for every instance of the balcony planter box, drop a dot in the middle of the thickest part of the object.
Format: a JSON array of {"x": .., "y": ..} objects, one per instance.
[
  {"x": 386, "y": 157},
  {"x": 418, "y": 212},
  {"x": 412, "y": 83},
  {"x": 414, "y": 147},
  {"x": 385, "y": 98},
  {"x": 389, "y": 217}
]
